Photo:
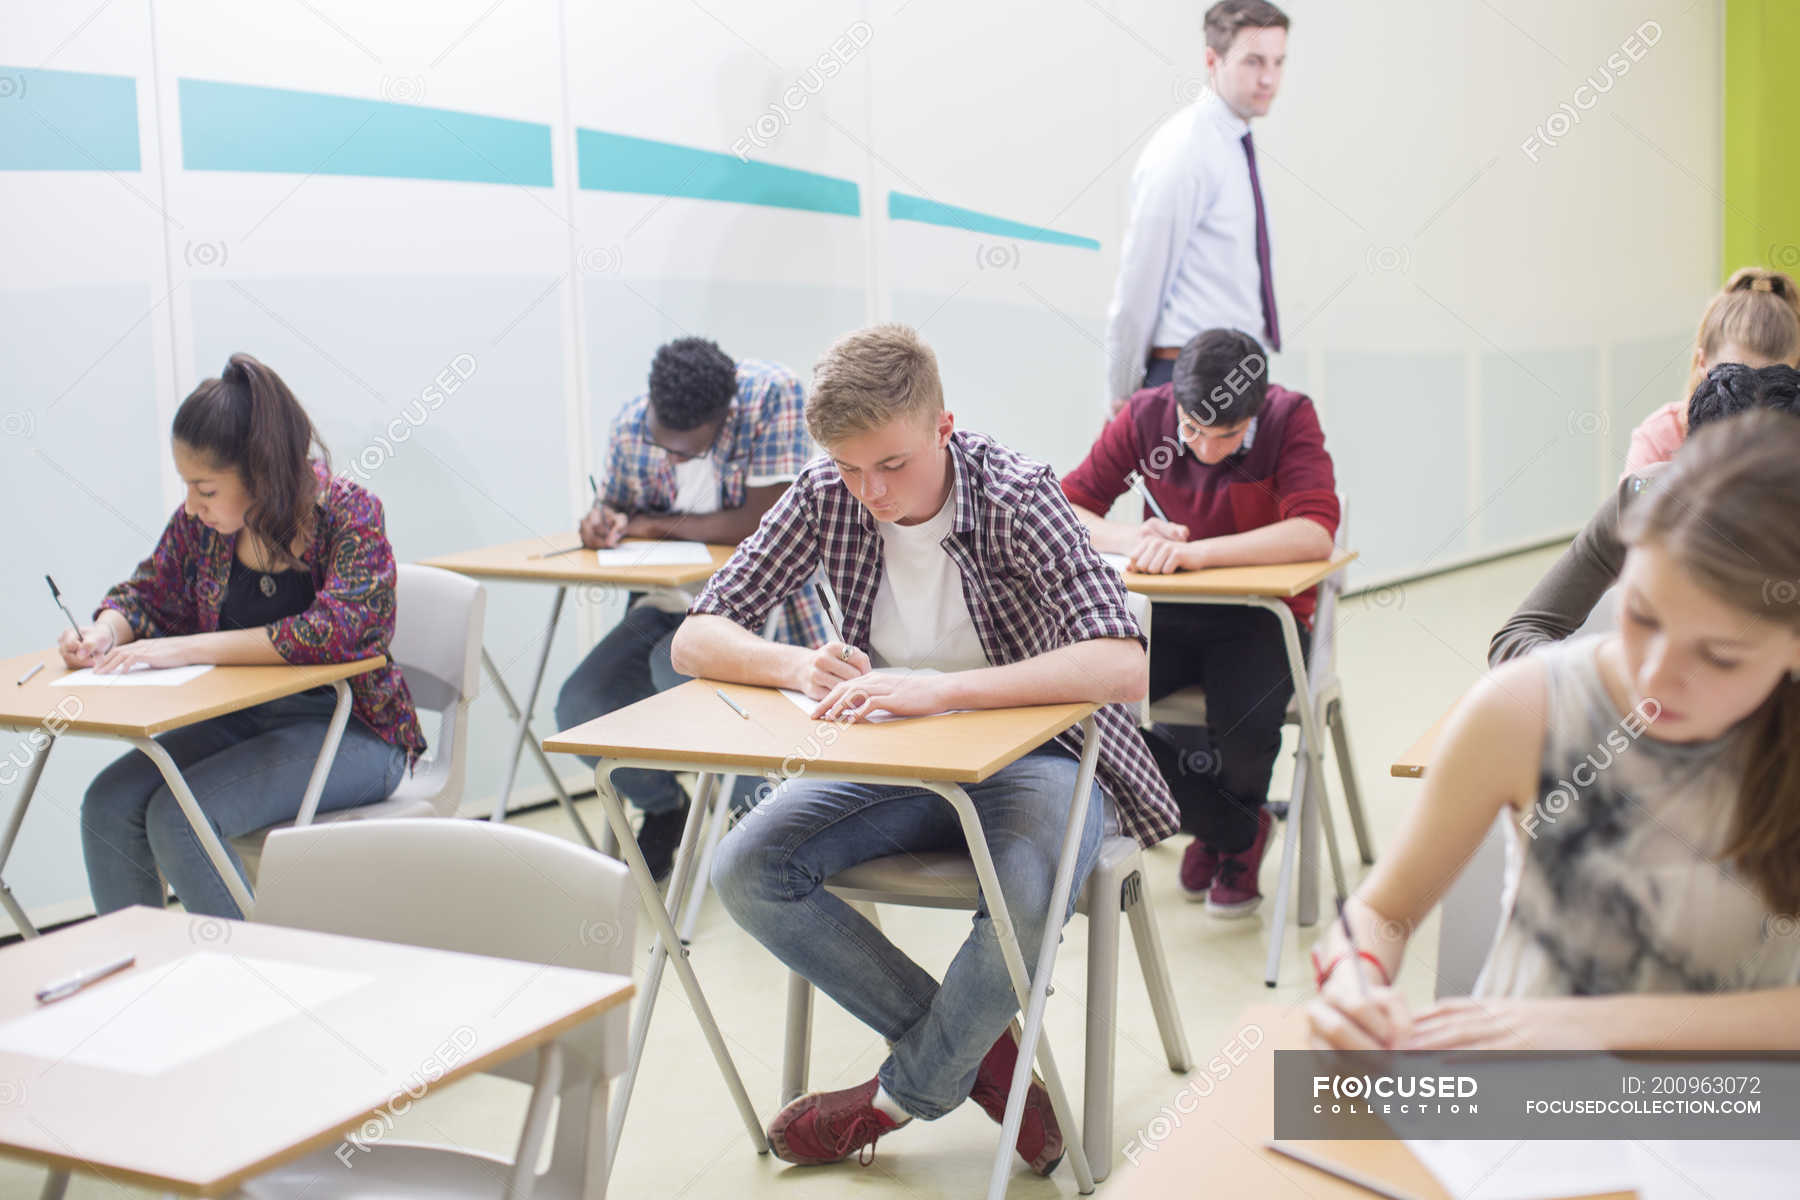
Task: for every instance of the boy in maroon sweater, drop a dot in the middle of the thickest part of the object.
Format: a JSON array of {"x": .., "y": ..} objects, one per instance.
[{"x": 1239, "y": 467}]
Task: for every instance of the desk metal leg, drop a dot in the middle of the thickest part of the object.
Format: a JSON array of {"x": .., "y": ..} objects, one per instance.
[
  {"x": 523, "y": 735},
  {"x": 56, "y": 1186},
  {"x": 334, "y": 733},
  {"x": 1033, "y": 992},
  {"x": 1305, "y": 815},
  {"x": 667, "y": 940},
  {"x": 196, "y": 819},
  {"x": 14, "y": 821},
  {"x": 715, "y": 829}
]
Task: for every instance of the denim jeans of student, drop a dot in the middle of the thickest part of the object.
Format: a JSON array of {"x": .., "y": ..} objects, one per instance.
[
  {"x": 248, "y": 770},
  {"x": 629, "y": 664},
  {"x": 1219, "y": 772},
  {"x": 769, "y": 872}
]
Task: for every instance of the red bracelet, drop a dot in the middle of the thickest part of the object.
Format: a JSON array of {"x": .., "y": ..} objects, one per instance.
[{"x": 1321, "y": 974}]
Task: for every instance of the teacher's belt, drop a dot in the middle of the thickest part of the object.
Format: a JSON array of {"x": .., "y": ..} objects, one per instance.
[{"x": 1165, "y": 352}]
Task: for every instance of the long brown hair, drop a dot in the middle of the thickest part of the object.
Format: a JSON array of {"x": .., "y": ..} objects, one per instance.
[
  {"x": 1757, "y": 309},
  {"x": 1728, "y": 510},
  {"x": 248, "y": 420}
]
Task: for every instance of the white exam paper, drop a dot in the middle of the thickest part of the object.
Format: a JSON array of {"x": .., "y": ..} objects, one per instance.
[
  {"x": 146, "y": 1021},
  {"x": 654, "y": 554},
  {"x": 140, "y": 675},
  {"x": 1532, "y": 1170}
]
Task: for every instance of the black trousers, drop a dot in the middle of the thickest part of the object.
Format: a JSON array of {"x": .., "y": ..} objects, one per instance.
[{"x": 1219, "y": 772}]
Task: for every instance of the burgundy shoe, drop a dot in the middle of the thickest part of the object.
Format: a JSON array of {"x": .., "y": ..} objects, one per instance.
[
  {"x": 1040, "y": 1141},
  {"x": 1199, "y": 866},
  {"x": 1234, "y": 893},
  {"x": 828, "y": 1127}
]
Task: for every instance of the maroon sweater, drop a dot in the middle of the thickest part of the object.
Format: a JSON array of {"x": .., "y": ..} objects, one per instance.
[{"x": 1284, "y": 473}]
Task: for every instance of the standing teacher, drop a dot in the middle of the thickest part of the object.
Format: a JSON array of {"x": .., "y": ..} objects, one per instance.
[{"x": 1196, "y": 251}]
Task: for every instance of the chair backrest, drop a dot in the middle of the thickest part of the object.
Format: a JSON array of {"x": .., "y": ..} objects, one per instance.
[
  {"x": 468, "y": 886},
  {"x": 1473, "y": 907},
  {"x": 437, "y": 646}
]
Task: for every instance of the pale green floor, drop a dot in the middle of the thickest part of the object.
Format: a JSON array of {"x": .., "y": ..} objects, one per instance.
[{"x": 1406, "y": 653}]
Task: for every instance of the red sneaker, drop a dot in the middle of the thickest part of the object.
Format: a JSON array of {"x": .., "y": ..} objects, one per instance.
[
  {"x": 1040, "y": 1141},
  {"x": 1234, "y": 893},
  {"x": 1199, "y": 866},
  {"x": 828, "y": 1127}
]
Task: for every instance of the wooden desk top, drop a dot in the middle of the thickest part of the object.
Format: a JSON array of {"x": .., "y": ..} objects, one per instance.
[
  {"x": 204, "y": 1125},
  {"x": 1221, "y": 1140},
  {"x": 145, "y": 711},
  {"x": 513, "y": 561},
  {"x": 1281, "y": 580},
  {"x": 688, "y": 724},
  {"x": 1411, "y": 765}
]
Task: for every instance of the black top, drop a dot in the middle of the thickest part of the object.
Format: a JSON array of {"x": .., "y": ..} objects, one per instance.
[{"x": 249, "y": 604}]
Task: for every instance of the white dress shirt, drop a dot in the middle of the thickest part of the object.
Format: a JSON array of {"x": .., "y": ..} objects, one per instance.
[{"x": 1188, "y": 263}]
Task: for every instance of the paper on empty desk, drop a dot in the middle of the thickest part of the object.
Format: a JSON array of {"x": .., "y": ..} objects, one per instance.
[
  {"x": 141, "y": 675},
  {"x": 1526, "y": 1170},
  {"x": 806, "y": 704},
  {"x": 144, "y": 1022},
  {"x": 655, "y": 554},
  {"x": 1698, "y": 1170}
]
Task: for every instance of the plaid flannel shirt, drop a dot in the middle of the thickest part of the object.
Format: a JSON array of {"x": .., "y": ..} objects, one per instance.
[
  {"x": 762, "y": 442},
  {"x": 1031, "y": 578}
]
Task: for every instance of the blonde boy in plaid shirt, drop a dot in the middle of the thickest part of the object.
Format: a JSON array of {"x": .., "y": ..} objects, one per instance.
[{"x": 947, "y": 551}]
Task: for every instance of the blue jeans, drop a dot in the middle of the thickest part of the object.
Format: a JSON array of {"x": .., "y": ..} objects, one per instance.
[
  {"x": 247, "y": 770},
  {"x": 629, "y": 664},
  {"x": 770, "y": 868}
]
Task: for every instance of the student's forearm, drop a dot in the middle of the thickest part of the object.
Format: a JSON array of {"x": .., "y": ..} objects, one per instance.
[
  {"x": 1102, "y": 670},
  {"x": 1297, "y": 539},
  {"x": 713, "y": 647},
  {"x": 234, "y": 648},
  {"x": 1722, "y": 1022},
  {"x": 1110, "y": 537},
  {"x": 725, "y": 527}
]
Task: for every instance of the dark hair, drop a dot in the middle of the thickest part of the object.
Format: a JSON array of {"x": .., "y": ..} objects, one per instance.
[
  {"x": 1222, "y": 377},
  {"x": 247, "y": 420},
  {"x": 1732, "y": 388},
  {"x": 1728, "y": 510},
  {"x": 1224, "y": 19},
  {"x": 692, "y": 382}
]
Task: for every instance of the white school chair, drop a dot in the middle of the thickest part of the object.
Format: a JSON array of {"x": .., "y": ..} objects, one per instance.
[
  {"x": 477, "y": 888},
  {"x": 946, "y": 879},
  {"x": 437, "y": 646}
]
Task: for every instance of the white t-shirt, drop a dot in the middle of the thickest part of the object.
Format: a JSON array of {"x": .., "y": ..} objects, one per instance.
[
  {"x": 696, "y": 486},
  {"x": 920, "y": 617}
]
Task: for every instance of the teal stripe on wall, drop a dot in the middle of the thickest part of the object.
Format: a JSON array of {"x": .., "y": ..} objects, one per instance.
[
  {"x": 902, "y": 207},
  {"x": 67, "y": 121},
  {"x": 613, "y": 162},
  {"x": 242, "y": 127}
]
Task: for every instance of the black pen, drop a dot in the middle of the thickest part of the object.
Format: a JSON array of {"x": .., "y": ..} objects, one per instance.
[{"x": 56, "y": 595}]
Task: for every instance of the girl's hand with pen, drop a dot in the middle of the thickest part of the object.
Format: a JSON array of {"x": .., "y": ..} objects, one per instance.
[
  {"x": 150, "y": 652},
  {"x": 93, "y": 645},
  {"x": 1352, "y": 1014}
]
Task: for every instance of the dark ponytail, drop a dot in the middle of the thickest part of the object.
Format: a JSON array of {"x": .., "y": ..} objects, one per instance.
[{"x": 249, "y": 421}]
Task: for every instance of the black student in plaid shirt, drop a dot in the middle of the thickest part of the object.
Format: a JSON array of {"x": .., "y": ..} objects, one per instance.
[{"x": 946, "y": 551}]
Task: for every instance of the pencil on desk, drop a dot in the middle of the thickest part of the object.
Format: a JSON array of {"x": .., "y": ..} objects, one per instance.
[
  {"x": 26, "y": 677},
  {"x": 719, "y": 692},
  {"x": 557, "y": 553}
]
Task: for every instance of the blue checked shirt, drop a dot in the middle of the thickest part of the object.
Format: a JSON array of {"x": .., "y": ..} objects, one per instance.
[
  {"x": 762, "y": 442},
  {"x": 1031, "y": 578}
]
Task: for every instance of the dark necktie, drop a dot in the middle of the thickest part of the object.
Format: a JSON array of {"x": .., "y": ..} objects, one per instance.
[{"x": 1271, "y": 324}]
